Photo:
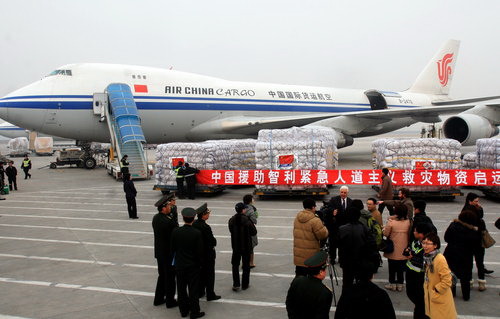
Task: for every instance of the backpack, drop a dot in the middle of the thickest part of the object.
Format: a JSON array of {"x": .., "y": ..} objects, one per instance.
[{"x": 376, "y": 231}]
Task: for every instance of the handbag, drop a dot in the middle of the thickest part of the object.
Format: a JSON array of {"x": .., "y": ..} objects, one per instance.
[
  {"x": 487, "y": 240},
  {"x": 388, "y": 246}
]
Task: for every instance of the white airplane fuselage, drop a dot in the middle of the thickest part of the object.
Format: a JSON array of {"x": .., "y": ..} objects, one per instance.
[{"x": 172, "y": 103}]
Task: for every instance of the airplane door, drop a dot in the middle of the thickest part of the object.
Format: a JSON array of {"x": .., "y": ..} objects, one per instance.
[{"x": 377, "y": 100}]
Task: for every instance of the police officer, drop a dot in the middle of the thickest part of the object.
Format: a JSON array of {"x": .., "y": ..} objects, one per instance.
[
  {"x": 179, "y": 178},
  {"x": 125, "y": 164},
  {"x": 308, "y": 297},
  {"x": 187, "y": 247},
  {"x": 190, "y": 176},
  {"x": 26, "y": 166},
  {"x": 163, "y": 226},
  {"x": 207, "y": 278}
]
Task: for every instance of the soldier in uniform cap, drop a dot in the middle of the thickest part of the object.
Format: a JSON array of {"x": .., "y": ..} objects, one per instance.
[
  {"x": 170, "y": 199},
  {"x": 187, "y": 246},
  {"x": 207, "y": 278},
  {"x": 163, "y": 226},
  {"x": 308, "y": 297}
]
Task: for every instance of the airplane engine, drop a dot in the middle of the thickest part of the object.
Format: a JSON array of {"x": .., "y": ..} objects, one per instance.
[
  {"x": 343, "y": 140},
  {"x": 467, "y": 128}
]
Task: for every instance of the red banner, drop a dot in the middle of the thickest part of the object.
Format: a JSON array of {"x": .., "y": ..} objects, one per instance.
[{"x": 484, "y": 177}]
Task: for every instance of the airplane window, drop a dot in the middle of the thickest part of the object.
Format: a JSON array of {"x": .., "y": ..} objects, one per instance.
[
  {"x": 144, "y": 77},
  {"x": 133, "y": 76}
]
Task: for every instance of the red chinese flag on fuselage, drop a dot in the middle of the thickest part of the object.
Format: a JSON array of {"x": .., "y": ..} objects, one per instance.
[{"x": 140, "y": 88}]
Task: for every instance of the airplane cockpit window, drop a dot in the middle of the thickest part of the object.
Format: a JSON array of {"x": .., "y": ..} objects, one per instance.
[{"x": 61, "y": 72}]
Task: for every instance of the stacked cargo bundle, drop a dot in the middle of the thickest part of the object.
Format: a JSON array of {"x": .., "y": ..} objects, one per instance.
[
  {"x": 296, "y": 148},
  {"x": 18, "y": 146},
  {"x": 488, "y": 153},
  {"x": 207, "y": 155},
  {"x": 241, "y": 153},
  {"x": 404, "y": 153},
  {"x": 424, "y": 153},
  {"x": 488, "y": 156},
  {"x": 469, "y": 161}
]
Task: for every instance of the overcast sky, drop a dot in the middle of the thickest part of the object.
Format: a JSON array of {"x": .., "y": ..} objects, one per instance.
[{"x": 348, "y": 44}]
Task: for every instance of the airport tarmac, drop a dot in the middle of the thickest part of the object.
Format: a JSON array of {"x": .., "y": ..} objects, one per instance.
[{"x": 69, "y": 250}]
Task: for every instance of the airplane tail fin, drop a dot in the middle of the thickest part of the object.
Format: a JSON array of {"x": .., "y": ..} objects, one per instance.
[{"x": 437, "y": 75}]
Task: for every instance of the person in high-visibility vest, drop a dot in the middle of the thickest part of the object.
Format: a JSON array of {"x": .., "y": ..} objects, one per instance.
[
  {"x": 179, "y": 178},
  {"x": 26, "y": 166}
]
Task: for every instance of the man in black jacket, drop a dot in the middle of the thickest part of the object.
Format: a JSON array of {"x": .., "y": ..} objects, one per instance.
[
  {"x": 190, "y": 177},
  {"x": 163, "y": 226},
  {"x": 11, "y": 172},
  {"x": 130, "y": 193},
  {"x": 307, "y": 296},
  {"x": 242, "y": 229},
  {"x": 187, "y": 247},
  {"x": 356, "y": 247},
  {"x": 207, "y": 278}
]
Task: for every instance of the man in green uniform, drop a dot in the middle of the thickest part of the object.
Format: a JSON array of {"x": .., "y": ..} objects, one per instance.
[
  {"x": 163, "y": 226},
  {"x": 308, "y": 297},
  {"x": 187, "y": 247},
  {"x": 207, "y": 278}
]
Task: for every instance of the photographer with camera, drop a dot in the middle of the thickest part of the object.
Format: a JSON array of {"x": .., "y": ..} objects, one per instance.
[{"x": 308, "y": 232}]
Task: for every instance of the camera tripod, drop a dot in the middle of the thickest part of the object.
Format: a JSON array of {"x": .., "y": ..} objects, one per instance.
[{"x": 331, "y": 269}]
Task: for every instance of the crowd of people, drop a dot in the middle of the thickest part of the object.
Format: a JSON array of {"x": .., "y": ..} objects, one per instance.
[
  {"x": 411, "y": 247},
  {"x": 342, "y": 232}
]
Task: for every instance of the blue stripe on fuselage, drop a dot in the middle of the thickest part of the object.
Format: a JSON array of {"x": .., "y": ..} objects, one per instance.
[{"x": 274, "y": 105}]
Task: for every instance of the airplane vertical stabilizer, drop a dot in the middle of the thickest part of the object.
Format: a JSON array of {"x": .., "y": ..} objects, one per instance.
[{"x": 437, "y": 75}]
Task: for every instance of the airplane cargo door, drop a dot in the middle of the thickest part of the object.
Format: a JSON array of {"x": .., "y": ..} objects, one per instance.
[{"x": 377, "y": 100}]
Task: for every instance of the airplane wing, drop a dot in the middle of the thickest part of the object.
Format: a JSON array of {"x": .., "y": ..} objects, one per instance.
[{"x": 345, "y": 122}]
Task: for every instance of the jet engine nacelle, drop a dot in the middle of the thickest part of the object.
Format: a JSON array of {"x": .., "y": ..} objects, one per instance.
[{"x": 467, "y": 128}]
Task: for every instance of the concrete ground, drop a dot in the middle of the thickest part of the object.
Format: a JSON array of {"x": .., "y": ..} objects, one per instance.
[{"x": 68, "y": 249}]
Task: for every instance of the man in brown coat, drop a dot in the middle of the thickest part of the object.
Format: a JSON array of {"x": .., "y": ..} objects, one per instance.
[
  {"x": 404, "y": 199},
  {"x": 308, "y": 231},
  {"x": 386, "y": 191}
]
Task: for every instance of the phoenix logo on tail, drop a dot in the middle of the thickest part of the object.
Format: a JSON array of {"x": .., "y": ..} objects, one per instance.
[{"x": 444, "y": 68}]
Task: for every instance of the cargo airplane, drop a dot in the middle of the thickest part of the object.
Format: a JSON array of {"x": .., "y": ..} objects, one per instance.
[{"x": 179, "y": 106}]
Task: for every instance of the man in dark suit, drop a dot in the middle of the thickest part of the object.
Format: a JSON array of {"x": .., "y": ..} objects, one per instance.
[
  {"x": 187, "y": 247},
  {"x": 207, "y": 278},
  {"x": 339, "y": 205},
  {"x": 163, "y": 226},
  {"x": 242, "y": 229},
  {"x": 130, "y": 193}
]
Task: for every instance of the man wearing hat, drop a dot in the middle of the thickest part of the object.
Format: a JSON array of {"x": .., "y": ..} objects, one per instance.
[
  {"x": 207, "y": 278},
  {"x": 187, "y": 247},
  {"x": 308, "y": 297},
  {"x": 163, "y": 226},
  {"x": 242, "y": 229}
]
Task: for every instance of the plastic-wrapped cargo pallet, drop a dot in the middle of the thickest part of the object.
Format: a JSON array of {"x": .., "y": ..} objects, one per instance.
[
  {"x": 405, "y": 153},
  {"x": 207, "y": 155},
  {"x": 241, "y": 153},
  {"x": 18, "y": 146},
  {"x": 469, "y": 161},
  {"x": 488, "y": 153},
  {"x": 311, "y": 147},
  {"x": 213, "y": 154}
]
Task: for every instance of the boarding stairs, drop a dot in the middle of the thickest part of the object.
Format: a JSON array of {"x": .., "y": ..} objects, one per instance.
[{"x": 125, "y": 129}]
